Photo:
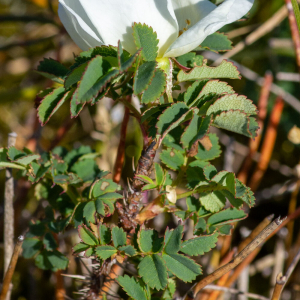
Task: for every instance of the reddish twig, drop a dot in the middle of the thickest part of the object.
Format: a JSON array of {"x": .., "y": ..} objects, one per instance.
[
  {"x": 268, "y": 145},
  {"x": 262, "y": 113},
  {"x": 121, "y": 149},
  {"x": 294, "y": 30},
  {"x": 11, "y": 268}
]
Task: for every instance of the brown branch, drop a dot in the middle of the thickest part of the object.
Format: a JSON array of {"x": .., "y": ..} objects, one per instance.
[
  {"x": 11, "y": 268},
  {"x": 9, "y": 210},
  {"x": 255, "y": 232},
  {"x": 239, "y": 258},
  {"x": 294, "y": 30},
  {"x": 282, "y": 280},
  {"x": 262, "y": 113},
  {"x": 268, "y": 145},
  {"x": 121, "y": 149}
]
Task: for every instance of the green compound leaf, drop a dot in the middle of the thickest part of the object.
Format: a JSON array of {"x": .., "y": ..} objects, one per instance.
[
  {"x": 89, "y": 252},
  {"x": 26, "y": 160},
  {"x": 129, "y": 62},
  {"x": 128, "y": 250},
  {"x": 195, "y": 131},
  {"x": 95, "y": 77},
  {"x": 153, "y": 271},
  {"x": 200, "y": 227},
  {"x": 172, "y": 117},
  {"x": 173, "y": 240},
  {"x": 232, "y": 102},
  {"x": 237, "y": 121},
  {"x": 89, "y": 212},
  {"x": 156, "y": 88},
  {"x": 159, "y": 174},
  {"x": 50, "y": 242},
  {"x": 75, "y": 75},
  {"x": 211, "y": 154},
  {"x": 75, "y": 108},
  {"x": 224, "y": 70},
  {"x": 195, "y": 174},
  {"x": 87, "y": 236},
  {"x": 190, "y": 60},
  {"x": 149, "y": 242},
  {"x": 38, "y": 171},
  {"x": 226, "y": 179},
  {"x": 51, "y": 260},
  {"x": 51, "y": 103},
  {"x": 226, "y": 216},
  {"x": 104, "y": 186},
  {"x": 146, "y": 38},
  {"x": 172, "y": 158},
  {"x": 193, "y": 204},
  {"x": 199, "y": 245},
  {"x": 182, "y": 267},
  {"x": 170, "y": 291},
  {"x": 244, "y": 193},
  {"x": 52, "y": 69},
  {"x": 105, "y": 252},
  {"x": 104, "y": 234},
  {"x": 212, "y": 201},
  {"x": 132, "y": 288},
  {"x": 217, "y": 42},
  {"x": 14, "y": 154},
  {"x": 144, "y": 76},
  {"x": 80, "y": 247},
  {"x": 31, "y": 246},
  {"x": 192, "y": 94},
  {"x": 118, "y": 237}
]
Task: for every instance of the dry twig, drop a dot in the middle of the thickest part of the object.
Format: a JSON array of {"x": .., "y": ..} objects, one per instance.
[
  {"x": 9, "y": 211},
  {"x": 282, "y": 280},
  {"x": 239, "y": 258},
  {"x": 11, "y": 268}
]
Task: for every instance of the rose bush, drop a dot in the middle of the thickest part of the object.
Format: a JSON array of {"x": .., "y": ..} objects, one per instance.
[{"x": 181, "y": 25}]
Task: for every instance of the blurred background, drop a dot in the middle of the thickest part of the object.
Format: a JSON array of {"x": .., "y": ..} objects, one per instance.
[{"x": 30, "y": 30}]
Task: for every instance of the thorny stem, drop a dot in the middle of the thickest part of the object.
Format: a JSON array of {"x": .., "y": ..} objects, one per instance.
[
  {"x": 11, "y": 268},
  {"x": 239, "y": 258},
  {"x": 121, "y": 149}
]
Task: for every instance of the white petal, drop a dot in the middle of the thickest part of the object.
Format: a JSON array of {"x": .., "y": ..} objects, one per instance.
[
  {"x": 191, "y": 10},
  {"x": 78, "y": 26},
  {"x": 226, "y": 13},
  {"x": 113, "y": 20}
]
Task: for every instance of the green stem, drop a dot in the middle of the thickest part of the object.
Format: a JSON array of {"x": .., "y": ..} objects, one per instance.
[{"x": 184, "y": 195}]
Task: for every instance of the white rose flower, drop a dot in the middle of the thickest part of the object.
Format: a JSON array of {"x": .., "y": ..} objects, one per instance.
[{"x": 181, "y": 25}]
